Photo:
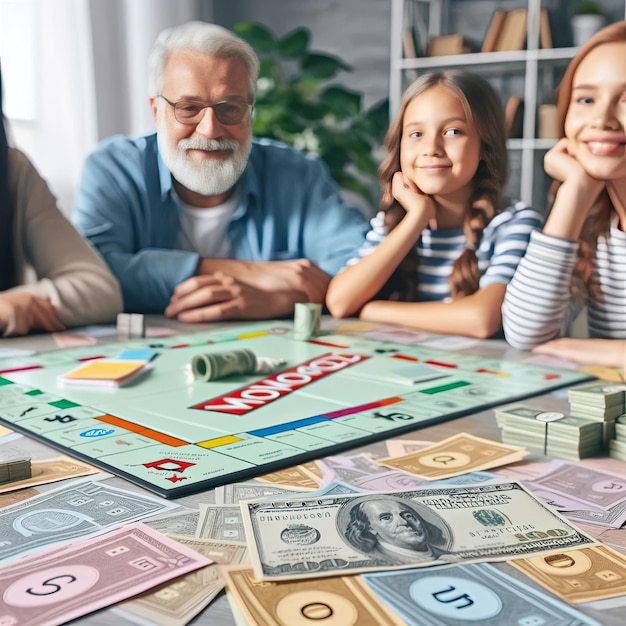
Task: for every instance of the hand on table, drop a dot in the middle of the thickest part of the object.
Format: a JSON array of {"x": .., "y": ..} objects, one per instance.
[
  {"x": 299, "y": 275},
  {"x": 606, "y": 352},
  {"x": 21, "y": 311},
  {"x": 221, "y": 297}
]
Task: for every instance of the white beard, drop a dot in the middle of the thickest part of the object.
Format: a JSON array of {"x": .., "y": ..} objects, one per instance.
[{"x": 210, "y": 177}]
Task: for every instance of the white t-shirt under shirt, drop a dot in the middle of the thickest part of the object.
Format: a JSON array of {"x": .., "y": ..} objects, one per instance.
[{"x": 205, "y": 231}]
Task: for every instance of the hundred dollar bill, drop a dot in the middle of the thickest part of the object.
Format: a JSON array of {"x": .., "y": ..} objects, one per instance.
[
  {"x": 336, "y": 601},
  {"x": 60, "y": 585},
  {"x": 475, "y": 593},
  {"x": 324, "y": 536}
]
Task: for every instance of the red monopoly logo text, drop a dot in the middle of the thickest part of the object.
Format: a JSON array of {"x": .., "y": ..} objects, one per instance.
[{"x": 246, "y": 399}]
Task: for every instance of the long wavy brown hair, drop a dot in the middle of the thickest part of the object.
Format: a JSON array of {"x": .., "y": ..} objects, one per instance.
[
  {"x": 599, "y": 218},
  {"x": 483, "y": 109}
]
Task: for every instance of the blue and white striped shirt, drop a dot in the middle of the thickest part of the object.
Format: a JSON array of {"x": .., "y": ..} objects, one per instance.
[
  {"x": 502, "y": 246},
  {"x": 538, "y": 305}
]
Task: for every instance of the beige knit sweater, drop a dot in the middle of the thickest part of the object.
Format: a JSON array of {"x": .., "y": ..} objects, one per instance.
[{"x": 67, "y": 269}]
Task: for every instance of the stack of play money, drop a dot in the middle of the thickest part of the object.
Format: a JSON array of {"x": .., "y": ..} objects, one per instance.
[
  {"x": 597, "y": 401},
  {"x": 617, "y": 446},
  {"x": 550, "y": 432},
  {"x": 14, "y": 466}
]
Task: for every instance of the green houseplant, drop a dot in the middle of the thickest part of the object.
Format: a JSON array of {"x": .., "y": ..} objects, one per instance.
[{"x": 297, "y": 104}]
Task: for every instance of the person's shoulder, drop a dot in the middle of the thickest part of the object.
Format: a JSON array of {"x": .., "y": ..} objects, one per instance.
[
  {"x": 21, "y": 167},
  {"x": 18, "y": 160},
  {"x": 119, "y": 147},
  {"x": 122, "y": 157},
  {"x": 517, "y": 212}
]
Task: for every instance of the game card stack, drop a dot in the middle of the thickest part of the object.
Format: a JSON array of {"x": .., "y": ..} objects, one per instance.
[
  {"x": 104, "y": 373},
  {"x": 14, "y": 466}
]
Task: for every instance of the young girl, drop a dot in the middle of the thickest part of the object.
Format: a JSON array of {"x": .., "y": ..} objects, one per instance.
[
  {"x": 74, "y": 285},
  {"x": 443, "y": 242},
  {"x": 580, "y": 257}
]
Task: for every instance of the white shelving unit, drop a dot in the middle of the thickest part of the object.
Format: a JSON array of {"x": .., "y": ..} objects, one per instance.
[{"x": 529, "y": 63}]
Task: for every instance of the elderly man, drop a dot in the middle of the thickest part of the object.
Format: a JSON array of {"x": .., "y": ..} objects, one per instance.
[{"x": 201, "y": 221}]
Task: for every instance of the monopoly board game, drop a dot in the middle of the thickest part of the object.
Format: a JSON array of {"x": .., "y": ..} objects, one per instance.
[{"x": 174, "y": 435}]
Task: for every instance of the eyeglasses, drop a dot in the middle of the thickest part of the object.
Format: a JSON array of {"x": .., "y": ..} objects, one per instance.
[{"x": 229, "y": 112}]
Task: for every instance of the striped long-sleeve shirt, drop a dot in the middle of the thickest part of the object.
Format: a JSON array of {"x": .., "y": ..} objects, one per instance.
[
  {"x": 501, "y": 247},
  {"x": 538, "y": 305}
]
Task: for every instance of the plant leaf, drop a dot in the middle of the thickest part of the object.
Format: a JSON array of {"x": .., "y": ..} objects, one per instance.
[
  {"x": 294, "y": 44},
  {"x": 318, "y": 65},
  {"x": 269, "y": 69},
  {"x": 342, "y": 102},
  {"x": 259, "y": 36}
]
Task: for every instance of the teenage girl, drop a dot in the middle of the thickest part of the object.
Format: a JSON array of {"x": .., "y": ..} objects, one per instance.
[
  {"x": 580, "y": 257},
  {"x": 443, "y": 247}
]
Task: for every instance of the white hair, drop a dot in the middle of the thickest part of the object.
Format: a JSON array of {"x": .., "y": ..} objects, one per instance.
[{"x": 203, "y": 37}]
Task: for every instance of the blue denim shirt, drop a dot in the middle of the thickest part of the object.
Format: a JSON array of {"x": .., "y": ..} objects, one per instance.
[{"x": 289, "y": 208}]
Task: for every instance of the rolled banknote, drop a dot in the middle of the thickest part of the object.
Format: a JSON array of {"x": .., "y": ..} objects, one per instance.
[
  {"x": 326, "y": 535},
  {"x": 220, "y": 364},
  {"x": 306, "y": 320}
]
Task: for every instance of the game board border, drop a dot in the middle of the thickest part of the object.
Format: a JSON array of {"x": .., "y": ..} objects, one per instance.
[{"x": 250, "y": 473}]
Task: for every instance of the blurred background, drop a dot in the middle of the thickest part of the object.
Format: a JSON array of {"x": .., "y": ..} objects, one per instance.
[
  {"x": 332, "y": 72},
  {"x": 75, "y": 70}
]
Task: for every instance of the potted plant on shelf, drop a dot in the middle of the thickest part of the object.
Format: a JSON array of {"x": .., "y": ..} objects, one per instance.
[
  {"x": 299, "y": 102},
  {"x": 588, "y": 18}
]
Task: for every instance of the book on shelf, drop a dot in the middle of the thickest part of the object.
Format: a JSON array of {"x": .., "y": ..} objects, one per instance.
[
  {"x": 512, "y": 34},
  {"x": 545, "y": 36},
  {"x": 493, "y": 30},
  {"x": 449, "y": 44},
  {"x": 507, "y": 31},
  {"x": 408, "y": 44},
  {"x": 514, "y": 117}
]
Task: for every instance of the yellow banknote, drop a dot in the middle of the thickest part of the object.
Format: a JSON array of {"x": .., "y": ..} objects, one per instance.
[
  {"x": 340, "y": 601},
  {"x": 455, "y": 455},
  {"x": 583, "y": 575}
]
